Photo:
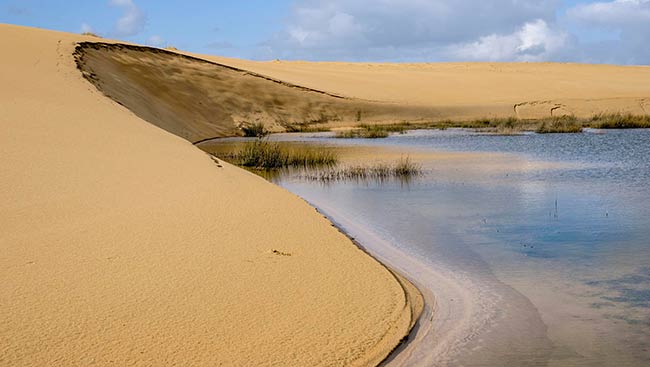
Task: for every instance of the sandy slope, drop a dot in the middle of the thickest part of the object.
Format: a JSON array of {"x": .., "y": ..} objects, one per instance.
[
  {"x": 202, "y": 97},
  {"x": 474, "y": 90},
  {"x": 125, "y": 245}
]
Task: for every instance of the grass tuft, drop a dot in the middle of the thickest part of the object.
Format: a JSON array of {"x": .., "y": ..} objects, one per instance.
[
  {"x": 255, "y": 130},
  {"x": 91, "y": 34},
  {"x": 306, "y": 128},
  {"x": 562, "y": 125},
  {"x": 365, "y": 131},
  {"x": 512, "y": 125},
  {"x": 404, "y": 169},
  {"x": 620, "y": 121},
  {"x": 266, "y": 155}
]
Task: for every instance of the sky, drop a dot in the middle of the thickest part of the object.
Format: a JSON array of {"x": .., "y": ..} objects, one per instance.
[{"x": 605, "y": 31}]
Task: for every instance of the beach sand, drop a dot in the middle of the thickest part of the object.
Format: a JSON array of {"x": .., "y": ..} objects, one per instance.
[{"x": 123, "y": 244}]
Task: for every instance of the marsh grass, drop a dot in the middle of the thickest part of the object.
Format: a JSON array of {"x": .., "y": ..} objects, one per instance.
[
  {"x": 514, "y": 126},
  {"x": 306, "y": 128},
  {"x": 362, "y": 134},
  {"x": 255, "y": 130},
  {"x": 365, "y": 131},
  {"x": 262, "y": 154},
  {"x": 561, "y": 125},
  {"x": 620, "y": 121},
  {"x": 497, "y": 125},
  {"x": 404, "y": 169}
]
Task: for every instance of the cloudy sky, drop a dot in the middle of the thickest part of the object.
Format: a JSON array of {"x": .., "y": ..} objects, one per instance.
[{"x": 606, "y": 31}]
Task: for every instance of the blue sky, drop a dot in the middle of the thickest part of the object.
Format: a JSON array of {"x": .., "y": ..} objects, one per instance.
[{"x": 606, "y": 31}]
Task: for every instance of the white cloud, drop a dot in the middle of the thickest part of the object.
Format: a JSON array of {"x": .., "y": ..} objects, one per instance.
[
  {"x": 534, "y": 41},
  {"x": 614, "y": 14},
  {"x": 132, "y": 20},
  {"x": 395, "y": 29},
  {"x": 628, "y": 21},
  {"x": 612, "y": 31}
]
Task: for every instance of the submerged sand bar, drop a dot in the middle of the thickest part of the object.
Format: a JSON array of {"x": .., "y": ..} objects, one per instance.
[{"x": 123, "y": 244}]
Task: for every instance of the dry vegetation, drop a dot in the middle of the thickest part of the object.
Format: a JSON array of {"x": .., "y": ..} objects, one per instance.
[
  {"x": 620, "y": 121},
  {"x": 564, "y": 124},
  {"x": 507, "y": 126},
  {"x": 366, "y": 131},
  {"x": 403, "y": 169},
  {"x": 265, "y": 155},
  {"x": 255, "y": 130},
  {"x": 91, "y": 34}
]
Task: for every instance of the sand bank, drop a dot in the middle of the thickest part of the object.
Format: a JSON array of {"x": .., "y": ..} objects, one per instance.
[{"x": 123, "y": 244}]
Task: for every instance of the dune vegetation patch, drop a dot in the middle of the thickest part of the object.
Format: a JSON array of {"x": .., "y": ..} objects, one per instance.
[
  {"x": 563, "y": 124},
  {"x": 266, "y": 155},
  {"x": 255, "y": 130},
  {"x": 366, "y": 131},
  {"x": 566, "y": 124},
  {"x": 91, "y": 34},
  {"x": 403, "y": 169},
  {"x": 620, "y": 121}
]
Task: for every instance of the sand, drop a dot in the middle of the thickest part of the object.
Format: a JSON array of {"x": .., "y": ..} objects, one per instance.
[
  {"x": 474, "y": 90},
  {"x": 201, "y": 97},
  {"x": 123, "y": 244}
]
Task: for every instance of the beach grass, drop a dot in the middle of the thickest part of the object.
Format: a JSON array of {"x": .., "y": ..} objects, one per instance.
[
  {"x": 365, "y": 131},
  {"x": 514, "y": 126},
  {"x": 306, "y": 128},
  {"x": 262, "y": 154},
  {"x": 362, "y": 134},
  {"x": 91, "y": 34},
  {"x": 255, "y": 130},
  {"x": 403, "y": 169},
  {"x": 561, "y": 124},
  {"x": 620, "y": 121}
]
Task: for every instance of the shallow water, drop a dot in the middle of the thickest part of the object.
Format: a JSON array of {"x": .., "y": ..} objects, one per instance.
[{"x": 546, "y": 237}]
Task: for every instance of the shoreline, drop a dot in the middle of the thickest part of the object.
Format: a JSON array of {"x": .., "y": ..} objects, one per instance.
[
  {"x": 453, "y": 317},
  {"x": 408, "y": 350},
  {"x": 421, "y": 303},
  {"x": 157, "y": 256}
]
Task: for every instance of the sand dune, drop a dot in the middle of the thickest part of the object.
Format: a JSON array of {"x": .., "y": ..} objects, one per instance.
[
  {"x": 123, "y": 244},
  {"x": 197, "y": 99},
  {"x": 474, "y": 90},
  {"x": 200, "y": 97}
]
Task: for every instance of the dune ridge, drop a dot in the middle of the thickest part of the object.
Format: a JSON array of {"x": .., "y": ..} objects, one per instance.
[
  {"x": 123, "y": 244},
  {"x": 209, "y": 97},
  {"x": 469, "y": 90},
  {"x": 200, "y": 99}
]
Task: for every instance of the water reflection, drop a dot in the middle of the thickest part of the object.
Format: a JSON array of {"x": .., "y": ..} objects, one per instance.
[{"x": 559, "y": 219}]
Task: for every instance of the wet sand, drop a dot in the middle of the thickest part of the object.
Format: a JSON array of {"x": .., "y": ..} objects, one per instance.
[{"x": 463, "y": 321}]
